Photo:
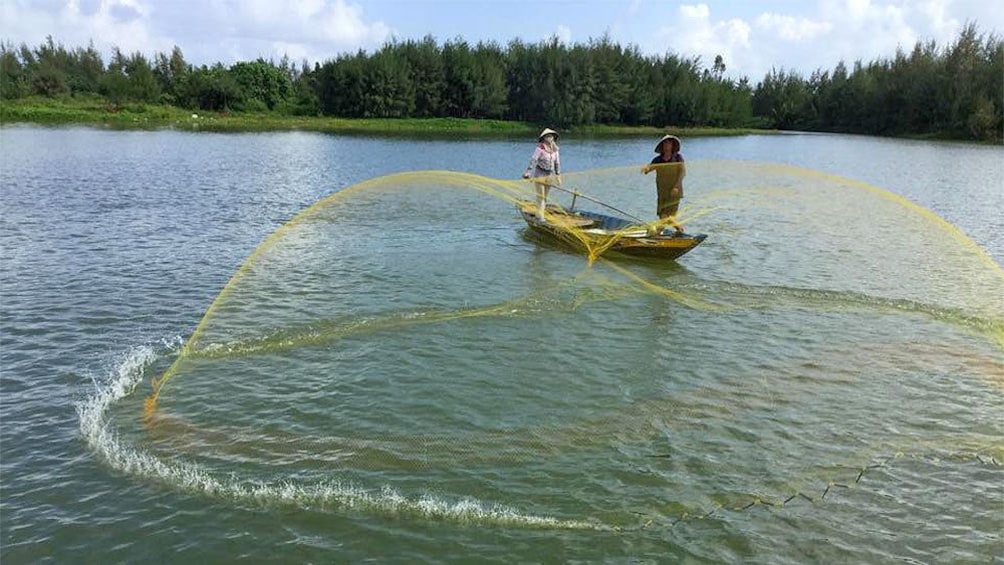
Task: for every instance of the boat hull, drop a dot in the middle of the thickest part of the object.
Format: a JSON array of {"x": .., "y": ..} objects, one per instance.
[{"x": 582, "y": 230}]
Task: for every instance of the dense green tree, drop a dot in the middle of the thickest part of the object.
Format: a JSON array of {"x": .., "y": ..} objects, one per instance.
[
  {"x": 303, "y": 100},
  {"x": 458, "y": 63},
  {"x": 84, "y": 69},
  {"x": 50, "y": 81},
  {"x": 388, "y": 90},
  {"x": 48, "y": 69},
  {"x": 341, "y": 87},
  {"x": 575, "y": 89},
  {"x": 142, "y": 82},
  {"x": 129, "y": 78},
  {"x": 525, "y": 101},
  {"x": 262, "y": 83},
  {"x": 610, "y": 91},
  {"x": 639, "y": 76},
  {"x": 488, "y": 98},
  {"x": 115, "y": 83},
  {"x": 425, "y": 65},
  {"x": 784, "y": 99},
  {"x": 170, "y": 72},
  {"x": 13, "y": 78},
  {"x": 210, "y": 88},
  {"x": 955, "y": 91},
  {"x": 679, "y": 102}
]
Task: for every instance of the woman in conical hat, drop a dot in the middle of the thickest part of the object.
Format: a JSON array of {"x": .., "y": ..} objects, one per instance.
[
  {"x": 669, "y": 172},
  {"x": 674, "y": 143},
  {"x": 545, "y": 164}
]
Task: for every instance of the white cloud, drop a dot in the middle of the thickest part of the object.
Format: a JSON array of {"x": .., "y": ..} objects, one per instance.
[
  {"x": 790, "y": 28},
  {"x": 867, "y": 31},
  {"x": 815, "y": 37},
  {"x": 295, "y": 51},
  {"x": 696, "y": 34},
  {"x": 214, "y": 31},
  {"x": 564, "y": 34},
  {"x": 314, "y": 29},
  {"x": 855, "y": 9},
  {"x": 695, "y": 12},
  {"x": 343, "y": 25},
  {"x": 634, "y": 7},
  {"x": 108, "y": 23},
  {"x": 936, "y": 12}
]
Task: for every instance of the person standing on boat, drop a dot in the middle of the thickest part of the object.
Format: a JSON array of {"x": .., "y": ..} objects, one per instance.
[
  {"x": 545, "y": 164},
  {"x": 669, "y": 172}
]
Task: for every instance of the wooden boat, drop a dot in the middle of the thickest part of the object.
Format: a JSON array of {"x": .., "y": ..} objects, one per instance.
[{"x": 584, "y": 230}]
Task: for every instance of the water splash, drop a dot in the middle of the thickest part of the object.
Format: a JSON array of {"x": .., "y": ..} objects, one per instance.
[{"x": 188, "y": 477}]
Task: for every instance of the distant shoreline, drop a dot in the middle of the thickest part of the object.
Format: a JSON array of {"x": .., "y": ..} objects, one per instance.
[{"x": 138, "y": 116}]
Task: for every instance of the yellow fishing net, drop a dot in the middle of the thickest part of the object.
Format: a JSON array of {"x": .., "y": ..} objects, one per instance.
[{"x": 447, "y": 266}]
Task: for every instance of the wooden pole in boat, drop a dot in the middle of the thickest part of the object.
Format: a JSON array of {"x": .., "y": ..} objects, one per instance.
[{"x": 576, "y": 193}]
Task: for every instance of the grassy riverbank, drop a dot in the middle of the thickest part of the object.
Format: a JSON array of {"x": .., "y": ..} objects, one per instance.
[{"x": 96, "y": 111}]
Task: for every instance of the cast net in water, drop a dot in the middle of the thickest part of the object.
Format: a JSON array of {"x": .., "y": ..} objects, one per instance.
[{"x": 408, "y": 345}]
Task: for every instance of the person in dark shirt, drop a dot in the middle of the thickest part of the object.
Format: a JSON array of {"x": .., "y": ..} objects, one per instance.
[{"x": 669, "y": 172}]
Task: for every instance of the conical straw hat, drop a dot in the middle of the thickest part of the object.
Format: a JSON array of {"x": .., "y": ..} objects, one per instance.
[
  {"x": 664, "y": 138},
  {"x": 546, "y": 132}
]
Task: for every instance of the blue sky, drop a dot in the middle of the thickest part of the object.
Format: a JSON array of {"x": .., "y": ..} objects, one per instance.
[{"x": 752, "y": 36}]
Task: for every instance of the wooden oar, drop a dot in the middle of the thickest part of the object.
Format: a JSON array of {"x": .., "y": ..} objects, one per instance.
[{"x": 576, "y": 193}]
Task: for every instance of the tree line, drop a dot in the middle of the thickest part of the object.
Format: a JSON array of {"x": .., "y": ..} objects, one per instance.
[{"x": 953, "y": 91}]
